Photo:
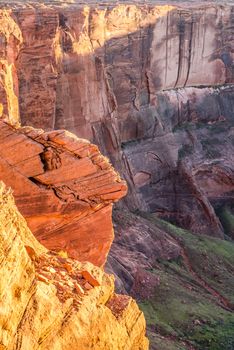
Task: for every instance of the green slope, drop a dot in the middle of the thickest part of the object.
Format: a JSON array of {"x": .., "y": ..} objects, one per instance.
[{"x": 192, "y": 308}]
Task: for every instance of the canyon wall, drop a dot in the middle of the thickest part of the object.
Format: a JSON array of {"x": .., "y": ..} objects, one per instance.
[
  {"x": 63, "y": 187},
  {"x": 54, "y": 302},
  {"x": 151, "y": 84}
]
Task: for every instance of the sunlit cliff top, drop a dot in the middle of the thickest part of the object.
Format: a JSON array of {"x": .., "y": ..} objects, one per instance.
[{"x": 101, "y": 3}]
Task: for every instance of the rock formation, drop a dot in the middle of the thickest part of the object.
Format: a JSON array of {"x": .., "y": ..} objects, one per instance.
[
  {"x": 151, "y": 84},
  {"x": 53, "y": 302},
  {"x": 137, "y": 247},
  {"x": 64, "y": 188}
]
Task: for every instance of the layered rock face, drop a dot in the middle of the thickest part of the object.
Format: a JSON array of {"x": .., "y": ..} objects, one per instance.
[
  {"x": 151, "y": 84},
  {"x": 52, "y": 302},
  {"x": 64, "y": 188}
]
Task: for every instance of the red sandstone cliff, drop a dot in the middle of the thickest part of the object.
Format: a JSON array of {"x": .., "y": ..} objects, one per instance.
[
  {"x": 64, "y": 188},
  {"x": 133, "y": 79},
  {"x": 126, "y": 53}
]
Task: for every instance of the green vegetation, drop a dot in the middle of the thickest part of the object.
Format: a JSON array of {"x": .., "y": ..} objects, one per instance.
[
  {"x": 211, "y": 258},
  {"x": 182, "y": 309},
  {"x": 227, "y": 219},
  {"x": 159, "y": 342}
]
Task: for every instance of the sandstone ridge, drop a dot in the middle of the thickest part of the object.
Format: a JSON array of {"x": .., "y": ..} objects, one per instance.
[
  {"x": 53, "y": 302},
  {"x": 64, "y": 188}
]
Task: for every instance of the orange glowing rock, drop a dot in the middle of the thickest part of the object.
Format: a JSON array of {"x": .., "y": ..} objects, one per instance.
[
  {"x": 89, "y": 278},
  {"x": 78, "y": 288},
  {"x": 66, "y": 199}
]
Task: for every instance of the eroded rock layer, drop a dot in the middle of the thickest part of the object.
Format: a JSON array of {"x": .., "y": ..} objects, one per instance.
[
  {"x": 53, "y": 302},
  {"x": 146, "y": 82},
  {"x": 64, "y": 188}
]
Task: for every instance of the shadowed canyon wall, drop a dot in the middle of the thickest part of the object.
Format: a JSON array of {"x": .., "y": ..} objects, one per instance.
[{"x": 151, "y": 84}]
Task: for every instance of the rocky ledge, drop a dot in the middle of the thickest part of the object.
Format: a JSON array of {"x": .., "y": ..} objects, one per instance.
[
  {"x": 54, "y": 302},
  {"x": 64, "y": 188}
]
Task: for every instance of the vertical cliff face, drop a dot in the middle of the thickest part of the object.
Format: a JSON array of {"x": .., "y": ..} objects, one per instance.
[
  {"x": 54, "y": 302},
  {"x": 146, "y": 82},
  {"x": 120, "y": 55},
  {"x": 10, "y": 40},
  {"x": 193, "y": 47}
]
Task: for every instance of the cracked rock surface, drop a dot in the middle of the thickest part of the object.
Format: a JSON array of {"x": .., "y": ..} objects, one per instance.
[{"x": 64, "y": 188}]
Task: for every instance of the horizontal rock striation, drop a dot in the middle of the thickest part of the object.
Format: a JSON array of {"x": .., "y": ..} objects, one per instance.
[
  {"x": 53, "y": 302},
  {"x": 130, "y": 78},
  {"x": 64, "y": 188}
]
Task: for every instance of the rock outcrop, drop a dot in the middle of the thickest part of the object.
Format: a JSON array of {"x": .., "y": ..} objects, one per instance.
[
  {"x": 137, "y": 248},
  {"x": 63, "y": 187},
  {"x": 53, "y": 302},
  {"x": 132, "y": 78}
]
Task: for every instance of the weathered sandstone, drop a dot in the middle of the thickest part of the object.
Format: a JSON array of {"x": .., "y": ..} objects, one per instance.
[
  {"x": 131, "y": 78},
  {"x": 63, "y": 187},
  {"x": 90, "y": 65},
  {"x": 46, "y": 307}
]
